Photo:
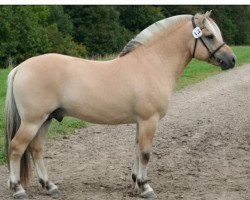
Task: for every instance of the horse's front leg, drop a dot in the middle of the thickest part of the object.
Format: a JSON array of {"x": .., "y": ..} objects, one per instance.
[
  {"x": 136, "y": 161},
  {"x": 146, "y": 130}
]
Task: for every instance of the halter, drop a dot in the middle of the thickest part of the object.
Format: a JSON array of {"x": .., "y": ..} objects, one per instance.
[{"x": 211, "y": 53}]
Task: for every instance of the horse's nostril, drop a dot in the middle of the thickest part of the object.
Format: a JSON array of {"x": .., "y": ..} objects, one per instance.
[{"x": 233, "y": 60}]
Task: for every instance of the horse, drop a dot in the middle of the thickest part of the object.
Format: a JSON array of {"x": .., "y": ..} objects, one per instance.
[{"x": 135, "y": 87}]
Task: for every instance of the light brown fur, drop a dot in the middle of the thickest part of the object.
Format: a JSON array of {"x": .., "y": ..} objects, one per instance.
[{"x": 135, "y": 88}]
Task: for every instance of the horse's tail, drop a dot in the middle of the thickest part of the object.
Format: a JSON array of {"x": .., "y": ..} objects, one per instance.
[{"x": 12, "y": 123}]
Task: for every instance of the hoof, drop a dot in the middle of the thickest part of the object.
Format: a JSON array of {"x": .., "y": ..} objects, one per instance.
[
  {"x": 20, "y": 195},
  {"x": 148, "y": 195},
  {"x": 136, "y": 189},
  {"x": 54, "y": 193}
]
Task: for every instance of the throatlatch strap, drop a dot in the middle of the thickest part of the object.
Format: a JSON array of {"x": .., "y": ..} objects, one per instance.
[{"x": 195, "y": 43}]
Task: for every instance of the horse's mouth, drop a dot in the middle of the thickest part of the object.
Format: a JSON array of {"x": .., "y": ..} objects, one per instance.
[
  {"x": 218, "y": 62},
  {"x": 221, "y": 63},
  {"x": 224, "y": 64}
]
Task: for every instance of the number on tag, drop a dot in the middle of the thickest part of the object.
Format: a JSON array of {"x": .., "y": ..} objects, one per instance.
[{"x": 197, "y": 33}]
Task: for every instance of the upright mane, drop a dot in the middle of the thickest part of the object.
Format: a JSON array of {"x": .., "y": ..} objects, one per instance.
[{"x": 148, "y": 33}]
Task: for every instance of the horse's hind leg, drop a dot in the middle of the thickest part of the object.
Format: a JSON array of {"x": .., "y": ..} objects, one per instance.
[
  {"x": 18, "y": 145},
  {"x": 36, "y": 148},
  {"x": 146, "y": 129}
]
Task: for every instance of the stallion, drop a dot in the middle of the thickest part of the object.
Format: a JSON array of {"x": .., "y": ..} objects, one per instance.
[{"x": 135, "y": 87}]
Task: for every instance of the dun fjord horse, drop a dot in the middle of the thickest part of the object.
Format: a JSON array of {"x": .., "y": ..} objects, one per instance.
[{"x": 133, "y": 88}]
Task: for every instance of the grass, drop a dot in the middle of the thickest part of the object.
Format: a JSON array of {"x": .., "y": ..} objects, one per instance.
[
  {"x": 3, "y": 86},
  {"x": 195, "y": 72}
]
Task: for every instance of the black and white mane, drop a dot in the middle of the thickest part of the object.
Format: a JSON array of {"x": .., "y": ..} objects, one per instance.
[{"x": 151, "y": 31}]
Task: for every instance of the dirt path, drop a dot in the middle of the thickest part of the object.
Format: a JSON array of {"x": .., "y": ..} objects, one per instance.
[{"x": 201, "y": 150}]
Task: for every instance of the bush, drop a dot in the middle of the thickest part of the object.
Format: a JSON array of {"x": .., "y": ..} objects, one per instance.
[{"x": 27, "y": 31}]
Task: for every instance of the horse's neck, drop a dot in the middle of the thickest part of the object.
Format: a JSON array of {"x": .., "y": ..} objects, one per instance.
[{"x": 171, "y": 52}]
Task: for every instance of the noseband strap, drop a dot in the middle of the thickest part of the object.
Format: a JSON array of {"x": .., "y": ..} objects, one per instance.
[{"x": 211, "y": 53}]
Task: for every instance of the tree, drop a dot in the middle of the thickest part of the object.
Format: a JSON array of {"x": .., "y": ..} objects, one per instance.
[
  {"x": 137, "y": 18},
  {"x": 63, "y": 44},
  {"x": 98, "y": 28},
  {"x": 62, "y": 19},
  {"x": 173, "y": 10},
  {"x": 27, "y": 31},
  {"x": 241, "y": 17},
  {"x": 22, "y": 35}
]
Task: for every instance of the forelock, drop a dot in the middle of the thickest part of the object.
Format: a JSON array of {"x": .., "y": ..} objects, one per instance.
[{"x": 213, "y": 28}]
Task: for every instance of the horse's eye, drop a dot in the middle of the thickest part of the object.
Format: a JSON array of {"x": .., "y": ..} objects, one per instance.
[{"x": 210, "y": 37}]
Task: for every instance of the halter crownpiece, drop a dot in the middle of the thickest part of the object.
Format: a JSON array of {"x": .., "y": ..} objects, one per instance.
[{"x": 197, "y": 33}]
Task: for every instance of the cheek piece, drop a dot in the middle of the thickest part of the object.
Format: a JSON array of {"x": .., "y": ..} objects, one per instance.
[{"x": 197, "y": 33}]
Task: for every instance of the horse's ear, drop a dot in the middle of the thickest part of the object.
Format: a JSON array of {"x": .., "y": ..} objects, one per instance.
[
  {"x": 200, "y": 19},
  {"x": 208, "y": 13}
]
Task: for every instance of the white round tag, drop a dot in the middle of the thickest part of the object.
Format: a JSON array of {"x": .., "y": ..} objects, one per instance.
[{"x": 197, "y": 33}]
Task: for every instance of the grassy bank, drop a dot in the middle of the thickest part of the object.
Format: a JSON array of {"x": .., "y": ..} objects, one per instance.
[{"x": 195, "y": 72}]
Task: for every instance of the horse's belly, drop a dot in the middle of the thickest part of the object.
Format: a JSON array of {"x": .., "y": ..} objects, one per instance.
[
  {"x": 102, "y": 110},
  {"x": 109, "y": 117}
]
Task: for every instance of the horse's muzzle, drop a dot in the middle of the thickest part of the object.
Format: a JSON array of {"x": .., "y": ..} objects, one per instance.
[{"x": 227, "y": 61}]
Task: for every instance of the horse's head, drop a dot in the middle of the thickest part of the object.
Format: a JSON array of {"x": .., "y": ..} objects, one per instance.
[{"x": 209, "y": 45}]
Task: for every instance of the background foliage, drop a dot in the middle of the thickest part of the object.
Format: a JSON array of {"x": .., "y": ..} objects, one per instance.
[{"x": 90, "y": 31}]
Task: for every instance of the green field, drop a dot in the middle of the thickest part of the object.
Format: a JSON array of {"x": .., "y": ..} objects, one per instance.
[{"x": 195, "y": 72}]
